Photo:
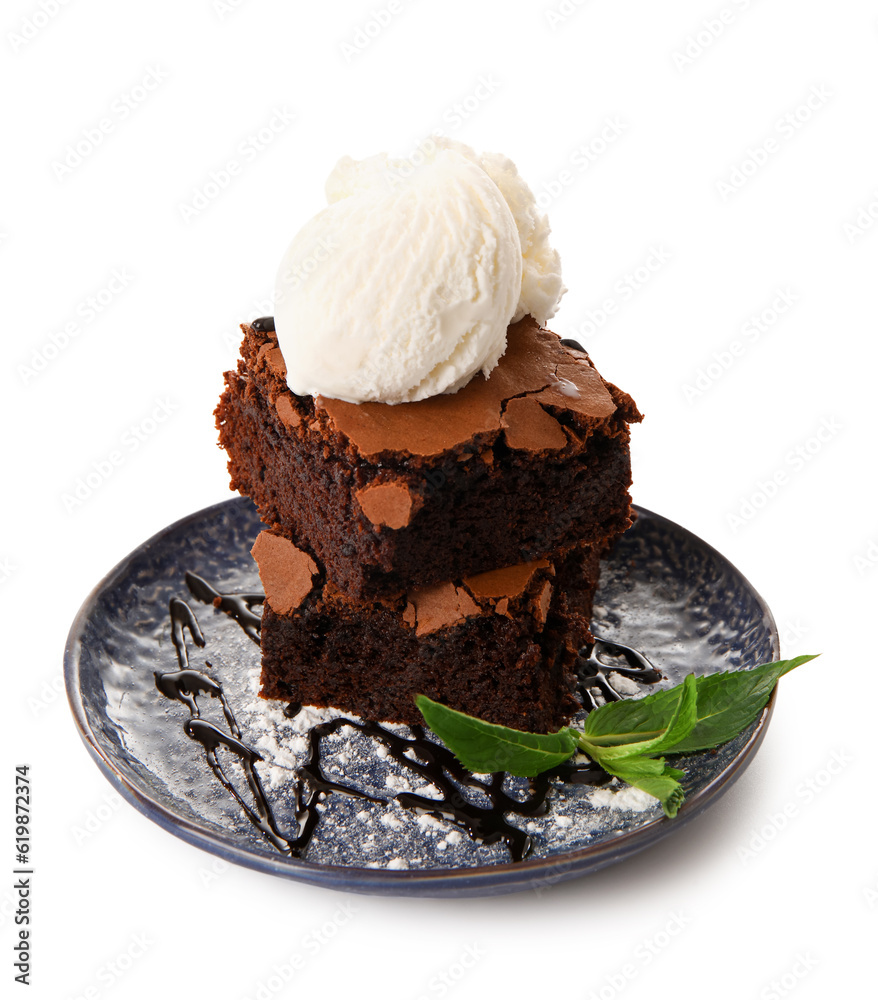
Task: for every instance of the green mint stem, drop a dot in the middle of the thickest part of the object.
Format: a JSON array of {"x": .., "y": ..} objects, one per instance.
[{"x": 623, "y": 737}]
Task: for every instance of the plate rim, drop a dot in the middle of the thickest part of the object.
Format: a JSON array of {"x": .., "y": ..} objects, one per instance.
[{"x": 480, "y": 880}]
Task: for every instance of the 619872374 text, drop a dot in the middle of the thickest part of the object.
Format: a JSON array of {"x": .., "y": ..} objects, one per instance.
[{"x": 23, "y": 871}]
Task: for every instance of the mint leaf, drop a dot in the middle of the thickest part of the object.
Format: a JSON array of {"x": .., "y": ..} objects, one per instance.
[
  {"x": 677, "y": 728},
  {"x": 649, "y": 774},
  {"x": 622, "y": 737},
  {"x": 484, "y": 747},
  {"x": 628, "y": 721},
  {"x": 665, "y": 787},
  {"x": 629, "y": 761},
  {"x": 730, "y": 701},
  {"x": 722, "y": 705}
]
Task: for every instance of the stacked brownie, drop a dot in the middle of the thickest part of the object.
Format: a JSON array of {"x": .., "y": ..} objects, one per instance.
[{"x": 447, "y": 547}]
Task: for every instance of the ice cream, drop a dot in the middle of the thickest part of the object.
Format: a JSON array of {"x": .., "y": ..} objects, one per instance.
[{"x": 404, "y": 286}]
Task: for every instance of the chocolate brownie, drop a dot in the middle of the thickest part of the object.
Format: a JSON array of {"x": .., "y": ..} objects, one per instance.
[
  {"x": 499, "y": 644},
  {"x": 519, "y": 466}
]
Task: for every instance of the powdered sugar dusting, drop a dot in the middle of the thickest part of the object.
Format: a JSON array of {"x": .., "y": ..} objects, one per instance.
[
  {"x": 623, "y": 684},
  {"x": 621, "y": 797}
]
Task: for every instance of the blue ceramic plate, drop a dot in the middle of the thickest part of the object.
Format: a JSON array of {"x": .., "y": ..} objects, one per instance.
[{"x": 663, "y": 591}]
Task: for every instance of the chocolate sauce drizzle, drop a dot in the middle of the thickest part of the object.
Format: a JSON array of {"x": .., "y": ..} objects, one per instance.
[
  {"x": 592, "y": 667},
  {"x": 237, "y": 606},
  {"x": 438, "y": 765},
  {"x": 420, "y": 755},
  {"x": 184, "y": 685}
]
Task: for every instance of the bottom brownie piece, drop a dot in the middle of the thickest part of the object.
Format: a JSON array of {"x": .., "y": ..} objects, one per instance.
[{"x": 500, "y": 645}]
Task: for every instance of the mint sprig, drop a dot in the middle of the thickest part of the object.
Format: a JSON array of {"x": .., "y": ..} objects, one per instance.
[
  {"x": 652, "y": 776},
  {"x": 484, "y": 747},
  {"x": 622, "y": 737}
]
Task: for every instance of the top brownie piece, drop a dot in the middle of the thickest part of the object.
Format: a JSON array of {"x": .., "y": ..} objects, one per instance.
[{"x": 508, "y": 469}]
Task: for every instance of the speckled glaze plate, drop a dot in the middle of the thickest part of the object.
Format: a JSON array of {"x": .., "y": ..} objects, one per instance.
[{"x": 663, "y": 591}]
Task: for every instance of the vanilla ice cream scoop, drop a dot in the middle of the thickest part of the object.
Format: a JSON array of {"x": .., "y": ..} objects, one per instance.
[{"x": 404, "y": 286}]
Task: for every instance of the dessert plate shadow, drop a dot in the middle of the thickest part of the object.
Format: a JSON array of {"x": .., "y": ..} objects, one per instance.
[{"x": 663, "y": 591}]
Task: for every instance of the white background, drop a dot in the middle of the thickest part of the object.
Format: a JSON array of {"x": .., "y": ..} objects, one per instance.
[{"x": 775, "y": 885}]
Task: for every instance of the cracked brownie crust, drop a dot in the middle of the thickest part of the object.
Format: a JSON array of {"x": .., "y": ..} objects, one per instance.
[{"x": 510, "y": 469}]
